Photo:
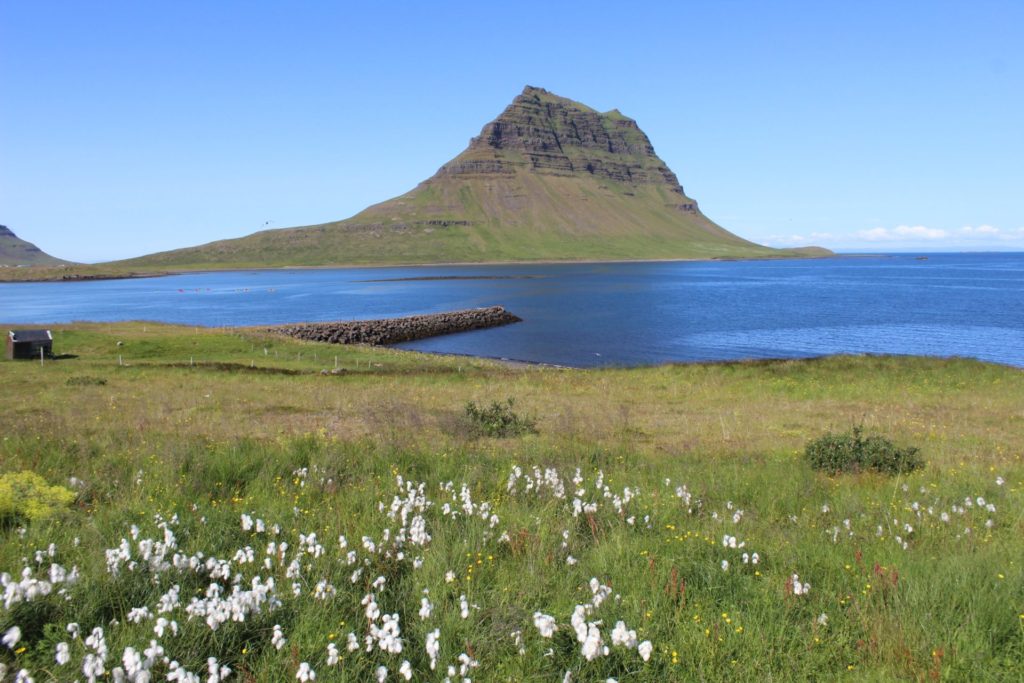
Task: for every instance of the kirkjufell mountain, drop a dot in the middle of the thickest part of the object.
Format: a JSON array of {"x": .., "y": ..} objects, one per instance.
[{"x": 549, "y": 179}]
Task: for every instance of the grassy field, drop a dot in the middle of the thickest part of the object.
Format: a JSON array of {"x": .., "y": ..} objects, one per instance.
[{"x": 233, "y": 506}]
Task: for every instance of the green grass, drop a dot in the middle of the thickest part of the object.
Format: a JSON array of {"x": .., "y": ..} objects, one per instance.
[{"x": 187, "y": 424}]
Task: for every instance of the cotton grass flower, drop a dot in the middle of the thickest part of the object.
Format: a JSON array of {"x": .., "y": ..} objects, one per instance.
[
  {"x": 623, "y": 637},
  {"x": 426, "y": 609},
  {"x": 593, "y": 646},
  {"x": 277, "y": 639},
  {"x": 11, "y": 637},
  {"x": 433, "y": 647},
  {"x": 305, "y": 673},
  {"x": 799, "y": 588},
  {"x": 545, "y": 624}
]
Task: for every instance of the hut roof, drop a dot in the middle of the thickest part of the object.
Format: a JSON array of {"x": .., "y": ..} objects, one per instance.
[{"x": 31, "y": 335}]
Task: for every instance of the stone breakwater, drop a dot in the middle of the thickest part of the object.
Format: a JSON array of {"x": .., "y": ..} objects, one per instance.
[{"x": 396, "y": 330}]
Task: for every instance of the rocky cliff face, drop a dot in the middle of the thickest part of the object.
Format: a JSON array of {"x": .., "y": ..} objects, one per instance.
[{"x": 543, "y": 133}]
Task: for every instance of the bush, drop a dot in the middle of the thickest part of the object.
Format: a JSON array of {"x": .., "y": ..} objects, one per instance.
[
  {"x": 27, "y": 495},
  {"x": 853, "y": 452},
  {"x": 499, "y": 420}
]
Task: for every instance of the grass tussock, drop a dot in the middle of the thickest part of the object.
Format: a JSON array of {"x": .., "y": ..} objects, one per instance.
[
  {"x": 498, "y": 420},
  {"x": 853, "y": 452}
]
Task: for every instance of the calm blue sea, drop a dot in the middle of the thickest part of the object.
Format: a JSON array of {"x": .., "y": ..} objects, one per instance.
[{"x": 607, "y": 314}]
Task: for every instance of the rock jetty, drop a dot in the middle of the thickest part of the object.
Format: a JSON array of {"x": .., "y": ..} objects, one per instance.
[{"x": 396, "y": 330}]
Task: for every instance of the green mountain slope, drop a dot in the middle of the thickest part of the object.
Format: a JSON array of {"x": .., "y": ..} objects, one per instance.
[
  {"x": 548, "y": 179},
  {"x": 15, "y": 251}
]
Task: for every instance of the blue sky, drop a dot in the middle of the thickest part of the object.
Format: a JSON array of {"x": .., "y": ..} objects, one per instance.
[{"x": 128, "y": 128}]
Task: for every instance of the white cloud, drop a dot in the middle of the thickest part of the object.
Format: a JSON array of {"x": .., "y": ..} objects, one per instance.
[
  {"x": 981, "y": 237},
  {"x": 810, "y": 239},
  {"x": 980, "y": 230},
  {"x": 902, "y": 232},
  {"x": 988, "y": 232}
]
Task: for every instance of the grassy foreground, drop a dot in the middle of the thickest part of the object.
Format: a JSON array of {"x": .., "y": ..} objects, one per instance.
[{"x": 234, "y": 507}]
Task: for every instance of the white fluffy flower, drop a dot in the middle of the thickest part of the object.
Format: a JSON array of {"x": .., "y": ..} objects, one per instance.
[
  {"x": 11, "y": 637},
  {"x": 433, "y": 647},
  {"x": 426, "y": 609},
  {"x": 593, "y": 645},
  {"x": 623, "y": 637},
  {"x": 545, "y": 624},
  {"x": 277, "y": 639}
]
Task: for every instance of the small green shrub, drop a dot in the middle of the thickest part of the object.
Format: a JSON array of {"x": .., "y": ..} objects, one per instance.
[
  {"x": 854, "y": 452},
  {"x": 27, "y": 495},
  {"x": 499, "y": 420}
]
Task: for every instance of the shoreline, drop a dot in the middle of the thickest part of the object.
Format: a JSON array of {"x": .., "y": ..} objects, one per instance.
[
  {"x": 444, "y": 264},
  {"x": 74, "y": 277},
  {"x": 525, "y": 363}
]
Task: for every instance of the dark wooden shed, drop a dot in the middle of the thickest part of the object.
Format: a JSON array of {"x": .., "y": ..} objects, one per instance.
[{"x": 29, "y": 343}]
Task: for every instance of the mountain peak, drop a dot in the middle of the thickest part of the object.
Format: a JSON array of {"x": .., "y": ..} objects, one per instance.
[
  {"x": 544, "y": 133},
  {"x": 537, "y": 95},
  {"x": 15, "y": 251}
]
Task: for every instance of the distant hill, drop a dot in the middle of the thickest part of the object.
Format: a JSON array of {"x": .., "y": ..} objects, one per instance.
[
  {"x": 15, "y": 251},
  {"x": 548, "y": 179}
]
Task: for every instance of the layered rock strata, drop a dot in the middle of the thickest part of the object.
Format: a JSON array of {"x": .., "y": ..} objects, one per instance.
[{"x": 546, "y": 134}]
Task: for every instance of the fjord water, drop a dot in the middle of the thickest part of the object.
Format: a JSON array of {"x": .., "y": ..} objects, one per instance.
[{"x": 609, "y": 313}]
